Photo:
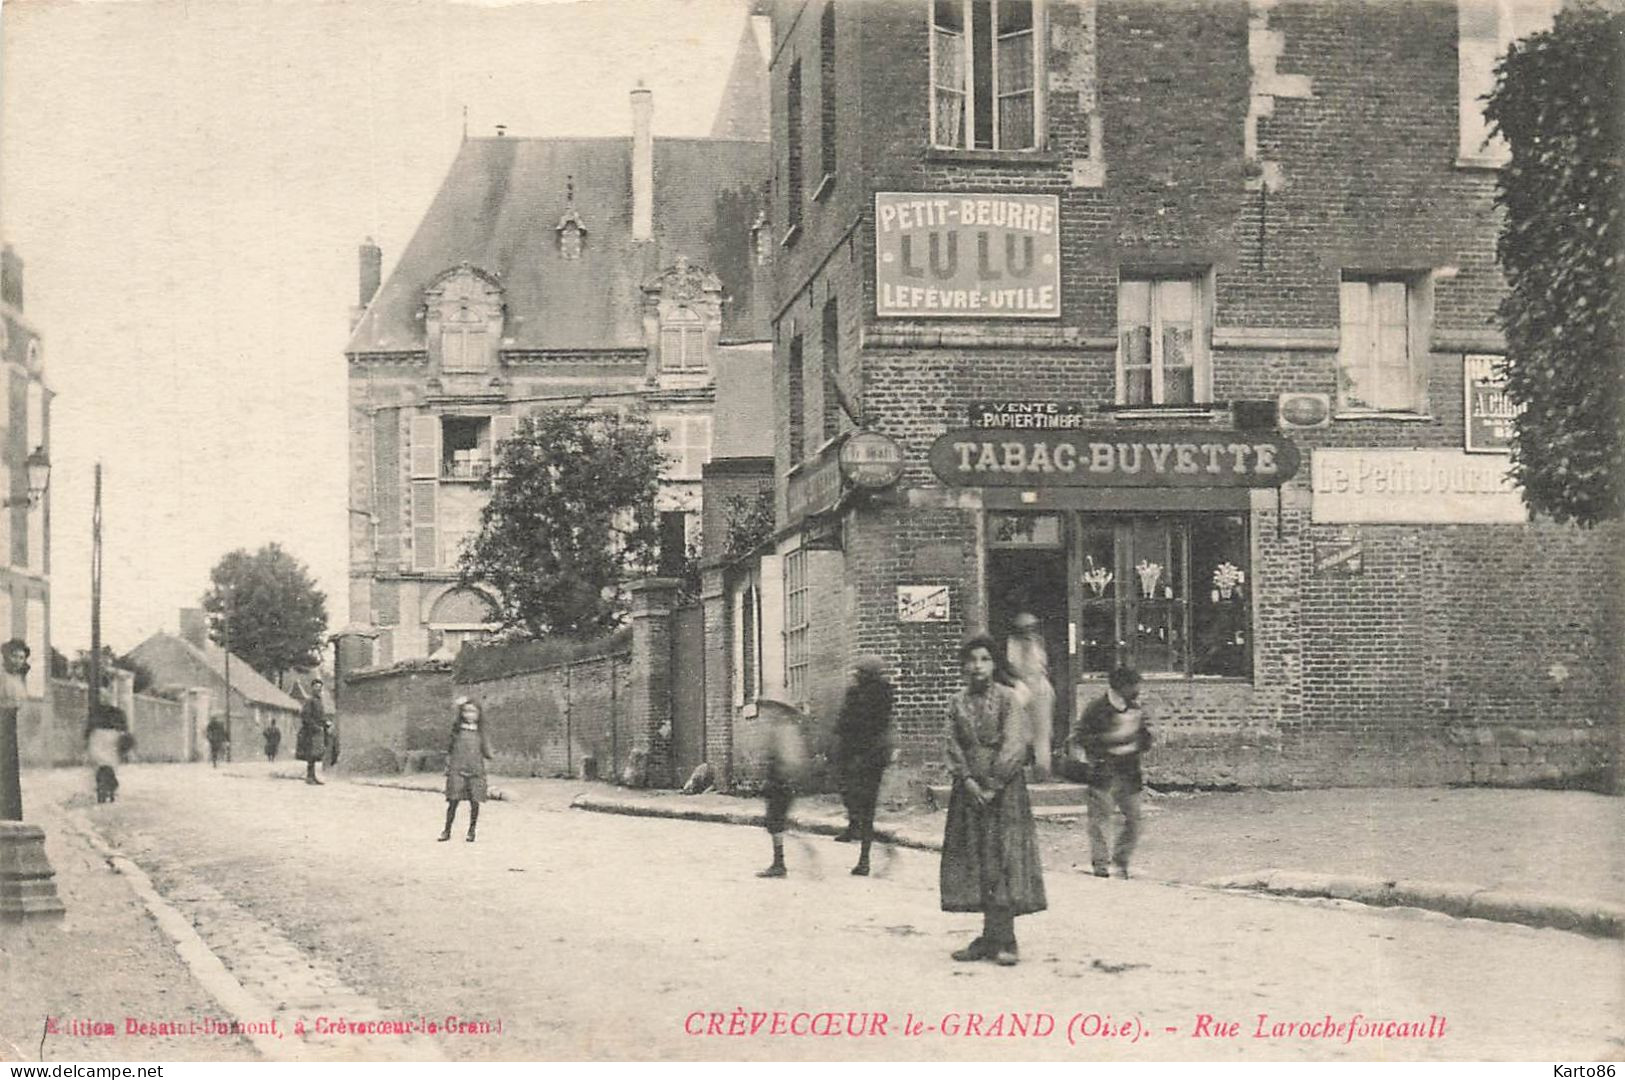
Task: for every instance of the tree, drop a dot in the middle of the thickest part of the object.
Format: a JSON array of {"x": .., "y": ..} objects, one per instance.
[
  {"x": 269, "y": 608},
  {"x": 570, "y": 521},
  {"x": 1555, "y": 102}
]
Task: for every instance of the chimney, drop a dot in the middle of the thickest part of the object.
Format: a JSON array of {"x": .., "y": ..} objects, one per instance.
[
  {"x": 372, "y": 270},
  {"x": 11, "y": 277},
  {"x": 194, "y": 627},
  {"x": 643, "y": 164}
]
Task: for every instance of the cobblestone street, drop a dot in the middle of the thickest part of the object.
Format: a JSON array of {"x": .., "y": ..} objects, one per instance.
[{"x": 564, "y": 934}]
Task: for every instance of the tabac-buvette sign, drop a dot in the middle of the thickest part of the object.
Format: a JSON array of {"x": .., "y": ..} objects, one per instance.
[{"x": 1114, "y": 458}]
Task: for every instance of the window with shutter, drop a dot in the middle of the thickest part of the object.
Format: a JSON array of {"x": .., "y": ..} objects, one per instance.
[
  {"x": 425, "y": 519},
  {"x": 1379, "y": 365},
  {"x": 425, "y": 447},
  {"x": 986, "y": 66},
  {"x": 1485, "y": 29},
  {"x": 1162, "y": 345}
]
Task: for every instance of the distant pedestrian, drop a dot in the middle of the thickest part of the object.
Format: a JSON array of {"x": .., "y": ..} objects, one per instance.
[
  {"x": 311, "y": 744},
  {"x": 14, "y": 669},
  {"x": 1112, "y": 733},
  {"x": 107, "y": 742},
  {"x": 273, "y": 741},
  {"x": 786, "y": 769},
  {"x": 990, "y": 859},
  {"x": 864, "y": 749},
  {"x": 1028, "y": 658},
  {"x": 218, "y": 738},
  {"x": 466, "y": 755}
]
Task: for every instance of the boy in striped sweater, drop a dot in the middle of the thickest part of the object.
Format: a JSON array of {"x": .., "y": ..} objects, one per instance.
[{"x": 1113, "y": 733}]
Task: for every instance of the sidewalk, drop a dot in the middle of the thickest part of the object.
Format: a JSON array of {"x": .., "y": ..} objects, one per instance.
[
  {"x": 1544, "y": 858},
  {"x": 104, "y": 962}
]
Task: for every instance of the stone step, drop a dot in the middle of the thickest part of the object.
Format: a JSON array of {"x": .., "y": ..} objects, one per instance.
[{"x": 1058, "y": 794}]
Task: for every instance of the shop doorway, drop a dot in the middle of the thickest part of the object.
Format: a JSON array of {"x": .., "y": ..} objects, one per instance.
[{"x": 1027, "y": 572}]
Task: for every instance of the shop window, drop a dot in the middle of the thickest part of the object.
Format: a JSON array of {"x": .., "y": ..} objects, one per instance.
[
  {"x": 1015, "y": 530},
  {"x": 1166, "y": 595},
  {"x": 797, "y": 648},
  {"x": 1162, "y": 343},
  {"x": 682, "y": 342},
  {"x": 986, "y": 68},
  {"x": 1379, "y": 353}
]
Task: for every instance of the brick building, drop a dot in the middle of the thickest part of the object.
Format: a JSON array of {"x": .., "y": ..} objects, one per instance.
[
  {"x": 25, "y": 586},
  {"x": 1181, "y": 318},
  {"x": 547, "y": 272}
]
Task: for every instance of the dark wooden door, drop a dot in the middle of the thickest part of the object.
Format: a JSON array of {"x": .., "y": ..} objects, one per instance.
[{"x": 687, "y": 690}]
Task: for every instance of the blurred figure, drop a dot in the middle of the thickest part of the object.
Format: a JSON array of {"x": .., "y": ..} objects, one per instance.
[
  {"x": 786, "y": 771},
  {"x": 1028, "y": 658},
  {"x": 273, "y": 741},
  {"x": 13, "y": 692},
  {"x": 864, "y": 749},
  {"x": 107, "y": 742},
  {"x": 218, "y": 738}
]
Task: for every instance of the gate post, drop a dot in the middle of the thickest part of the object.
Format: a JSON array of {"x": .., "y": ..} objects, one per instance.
[{"x": 651, "y": 683}]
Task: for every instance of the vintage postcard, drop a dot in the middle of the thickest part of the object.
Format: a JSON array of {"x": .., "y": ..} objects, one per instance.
[{"x": 815, "y": 530}]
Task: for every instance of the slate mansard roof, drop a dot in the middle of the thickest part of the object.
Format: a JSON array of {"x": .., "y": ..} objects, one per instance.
[{"x": 499, "y": 209}]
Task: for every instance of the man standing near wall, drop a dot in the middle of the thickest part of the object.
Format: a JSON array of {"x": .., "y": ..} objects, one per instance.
[
  {"x": 14, "y": 659},
  {"x": 312, "y": 741}
]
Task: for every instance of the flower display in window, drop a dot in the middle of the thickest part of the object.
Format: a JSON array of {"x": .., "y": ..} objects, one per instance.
[
  {"x": 1150, "y": 573},
  {"x": 1225, "y": 579},
  {"x": 1097, "y": 577}
]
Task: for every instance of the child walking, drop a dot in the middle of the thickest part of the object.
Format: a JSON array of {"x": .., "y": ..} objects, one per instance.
[
  {"x": 465, "y": 765},
  {"x": 786, "y": 768},
  {"x": 990, "y": 857},
  {"x": 1112, "y": 732}
]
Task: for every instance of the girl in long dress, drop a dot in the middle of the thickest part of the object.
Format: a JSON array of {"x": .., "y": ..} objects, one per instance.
[
  {"x": 465, "y": 765},
  {"x": 990, "y": 857}
]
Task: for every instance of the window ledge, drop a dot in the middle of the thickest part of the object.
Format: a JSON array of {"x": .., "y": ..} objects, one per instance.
[
  {"x": 993, "y": 157},
  {"x": 1402, "y": 417},
  {"x": 749, "y": 710},
  {"x": 791, "y": 235},
  {"x": 1204, "y": 411},
  {"x": 1487, "y": 164},
  {"x": 825, "y": 186}
]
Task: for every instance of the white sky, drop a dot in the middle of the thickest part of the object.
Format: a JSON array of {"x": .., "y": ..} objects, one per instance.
[{"x": 188, "y": 183}]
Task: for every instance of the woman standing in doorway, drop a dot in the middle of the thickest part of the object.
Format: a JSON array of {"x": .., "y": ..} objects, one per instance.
[{"x": 990, "y": 857}]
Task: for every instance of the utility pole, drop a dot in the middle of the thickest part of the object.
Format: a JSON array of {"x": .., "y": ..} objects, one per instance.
[{"x": 93, "y": 691}]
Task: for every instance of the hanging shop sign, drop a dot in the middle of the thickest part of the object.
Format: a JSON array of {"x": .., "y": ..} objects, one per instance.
[
  {"x": 1132, "y": 457},
  {"x": 814, "y": 488},
  {"x": 871, "y": 461},
  {"x": 940, "y": 255},
  {"x": 1488, "y": 410},
  {"x": 1039, "y": 415},
  {"x": 1397, "y": 487},
  {"x": 922, "y": 603}
]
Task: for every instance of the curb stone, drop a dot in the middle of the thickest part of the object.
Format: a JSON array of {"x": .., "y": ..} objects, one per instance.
[
  {"x": 1595, "y": 918},
  {"x": 1461, "y": 900}
]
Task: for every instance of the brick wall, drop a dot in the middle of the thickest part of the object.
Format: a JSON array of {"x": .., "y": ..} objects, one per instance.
[
  {"x": 390, "y": 719},
  {"x": 549, "y": 721}
]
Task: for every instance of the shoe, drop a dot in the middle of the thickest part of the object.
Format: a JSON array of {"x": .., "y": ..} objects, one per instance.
[
  {"x": 776, "y": 870},
  {"x": 1006, "y": 956},
  {"x": 470, "y": 837},
  {"x": 1122, "y": 870},
  {"x": 1101, "y": 871},
  {"x": 861, "y": 870},
  {"x": 445, "y": 835},
  {"x": 976, "y": 950},
  {"x": 848, "y": 837}
]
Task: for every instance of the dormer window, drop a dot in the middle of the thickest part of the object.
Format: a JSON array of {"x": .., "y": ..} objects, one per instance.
[
  {"x": 464, "y": 320},
  {"x": 682, "y": 341},
  {"x": 572, "y": 233}
]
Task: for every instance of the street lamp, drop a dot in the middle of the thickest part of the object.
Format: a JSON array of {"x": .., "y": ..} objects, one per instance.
[
  {"x": 26, "y": 888},
  {"x": 38, "y": 467}
]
